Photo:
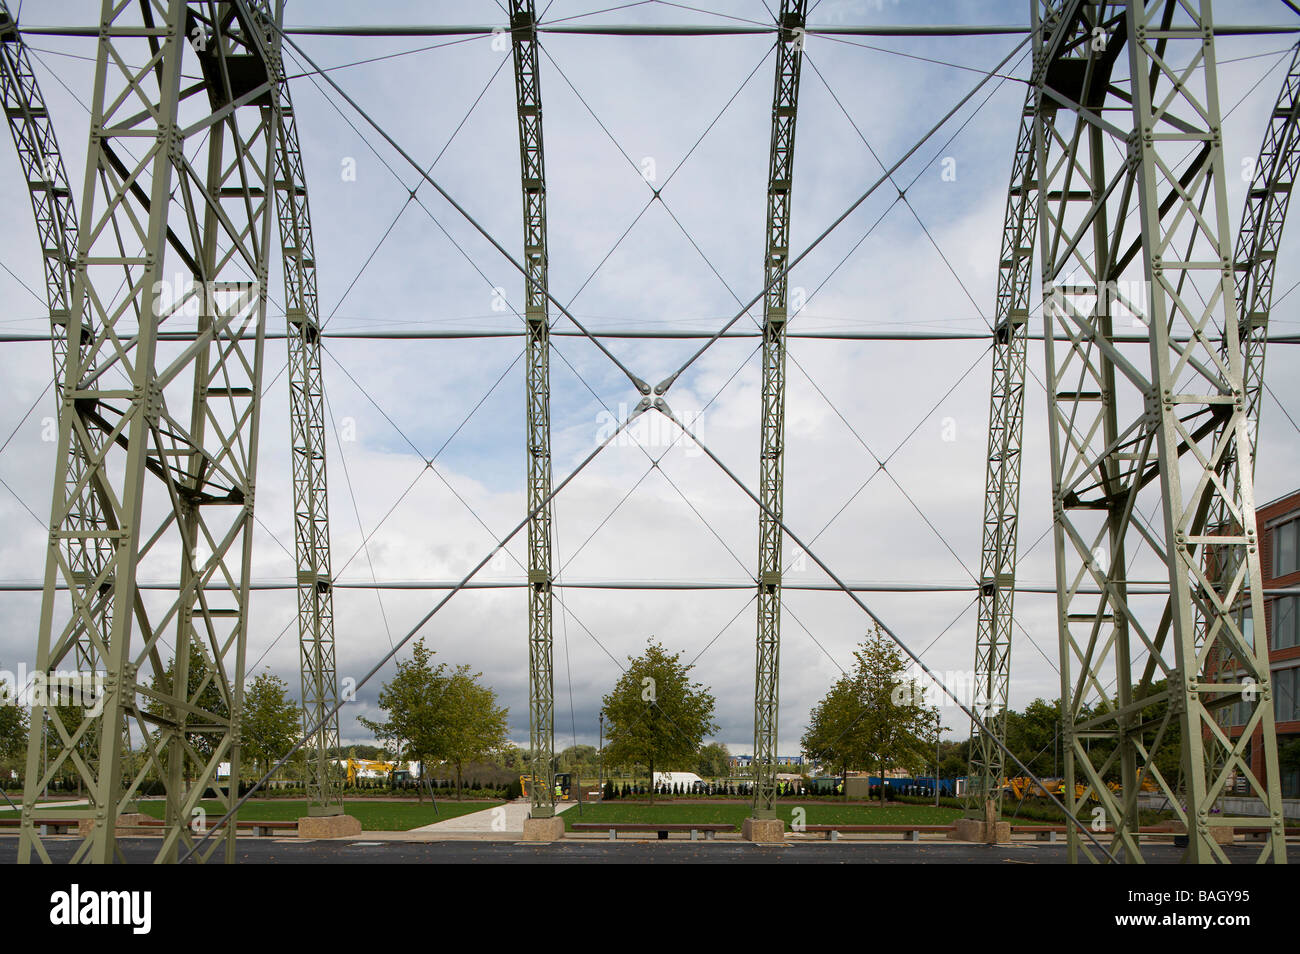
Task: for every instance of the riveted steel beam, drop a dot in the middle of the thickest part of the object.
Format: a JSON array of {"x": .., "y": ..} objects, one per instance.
[
  {"x": 532, "y": 165},
  {"x": 168, "y": 434},
  {"x": 1138, "y": 447},
  {"x": 314, "y": 580},
  {"x": 54, "y": 210},
  {"x": 771, "y": 460},
  {"x": 1000, "y": 529}
]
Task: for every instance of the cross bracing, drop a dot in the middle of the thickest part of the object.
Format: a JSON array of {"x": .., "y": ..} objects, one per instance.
[{"x": 628, "y": 367}]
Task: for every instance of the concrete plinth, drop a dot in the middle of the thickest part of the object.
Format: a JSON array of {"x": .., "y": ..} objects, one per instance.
[
  {"x": 544, "y": 829},
  {"x": 972, "y": 829},
  {"x": 763, "y": 830},
  {"x": 328, "y": 826},
  {"x": 128, "y": 825},
  {"x": 1221, "y": 834}
]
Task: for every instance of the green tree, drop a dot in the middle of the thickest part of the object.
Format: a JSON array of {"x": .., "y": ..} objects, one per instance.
[
  {"x": 474, "y": 727},
  {"x": 272, "y": 721},
  {"x": 897, "y": 725},
  {"x": 954, "y": 759},
  {"x": 202, "y": 691},
  {"x": 1033, "y": 735},
  {"x": 13, "y": 730},
  {"x": 714, "y": 761},
  {"x": 873, "y": 717},
  {"x": 835, "y": 734},
  {"x": 655, "y": 715},
  {"x": 579, "y": 759},
  {"x": 413, "y": 728}
]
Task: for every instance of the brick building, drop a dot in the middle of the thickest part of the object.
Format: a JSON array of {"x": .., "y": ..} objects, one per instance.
[{"x": 1278, "y": 530}]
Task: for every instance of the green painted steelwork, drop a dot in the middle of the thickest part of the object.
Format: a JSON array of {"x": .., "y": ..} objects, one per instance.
[
  {"x": 1137, "y": 452},
  {"x": 541, "y": 676},
  {"x": 771, "y": 462},
  {"x": 166, "y": 482},
  {"x": 315, "y": 582}
]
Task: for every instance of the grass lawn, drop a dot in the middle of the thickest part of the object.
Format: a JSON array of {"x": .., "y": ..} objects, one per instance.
[
  {"x": 374, "y": 816},
  {"x": 817, "y": 814}
]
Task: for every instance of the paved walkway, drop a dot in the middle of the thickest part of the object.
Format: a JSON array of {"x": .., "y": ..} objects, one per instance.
[
  {"x": 17, "y": 805},
  {"x": 500, "y": 819}
]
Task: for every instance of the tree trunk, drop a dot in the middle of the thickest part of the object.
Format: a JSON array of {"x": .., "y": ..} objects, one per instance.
[
  {"x": 652, "y": 781},
  {"x": 458, "y": 795},
  {"x": 882, "y": 783},
  {"x": 844, "y": 784},
  {"x": 419, "y": 789}
]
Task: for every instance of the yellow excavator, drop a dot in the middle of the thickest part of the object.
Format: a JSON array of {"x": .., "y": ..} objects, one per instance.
[
  {"x": 1022, "y": 787},
  {"x": 357, "y": 766},
  {"x": 564, "y": 790}
]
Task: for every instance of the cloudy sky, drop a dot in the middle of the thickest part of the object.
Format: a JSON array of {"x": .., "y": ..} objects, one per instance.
[{"x": 623, "y": 117}]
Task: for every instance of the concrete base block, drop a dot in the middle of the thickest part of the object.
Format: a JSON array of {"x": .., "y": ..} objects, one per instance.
[
  {"x": 1221, "y": 834},
  {"x": 128, "y": 826},
  {"x": 763, "y": 830},
  {"x": 328, "y": 826},
  {"x": 974, "y": 830},
  {"x": 544, "y": 829}
]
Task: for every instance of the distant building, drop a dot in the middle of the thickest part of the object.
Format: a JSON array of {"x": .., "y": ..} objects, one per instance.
[
  {"x": 1278, "y": 530},
  {"x": 745, "y": 761}
]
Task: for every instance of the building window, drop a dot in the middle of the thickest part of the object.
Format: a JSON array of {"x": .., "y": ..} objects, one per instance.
[
  {"x": 1286, "y": 700},
  {"x": 1286, "y": 622},
  {"x": 1286, "y": 548},
  {"x": 1239, "y": 712}
]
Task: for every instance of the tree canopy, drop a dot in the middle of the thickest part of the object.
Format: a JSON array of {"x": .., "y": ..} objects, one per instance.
[
  {"x": 873, "y": 717},
  {"x": 13, "y": 726},
  {"x": 435, "y": 714},
  {"x": 714, "y": 761},
  {"x": 474, "y": 727},
  {"x": 272, "y": 721},
  {"x": 655, "y": 715},
  {"x": 202, "y": 690}
]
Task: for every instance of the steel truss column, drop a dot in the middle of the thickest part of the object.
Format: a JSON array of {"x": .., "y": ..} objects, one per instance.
[
  {"x": 541, "y": 677},
  {"x": 997, "y": 586},
  {"x": 1137, "y": 448},
  {"x": 1002, "y": 476},
  {"x": 1267, "y": 201},
  {"x": 771, "y": 463},
  {"x": 1255, "y": 265},
  {"x": 56, "y": 227},
  {"x": 168, "y": 434},
  {"x": 307, "y": 447}
]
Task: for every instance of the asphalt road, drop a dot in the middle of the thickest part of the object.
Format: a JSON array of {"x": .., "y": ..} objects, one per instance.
[{"x": 286, "y": 851}]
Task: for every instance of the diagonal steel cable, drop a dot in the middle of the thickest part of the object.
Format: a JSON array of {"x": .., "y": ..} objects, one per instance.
[
  {"x": 641, "y": 408},
  {"x": 663, "y": 386},
  {"x": 662, "y": 407}
]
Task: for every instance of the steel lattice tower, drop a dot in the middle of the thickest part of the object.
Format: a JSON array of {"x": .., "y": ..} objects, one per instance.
[
  {"x": 1118, "y": 179},
  {"x": 1137, "y": 237},
  {"x": 537, "y": 375},
  {"x": 56, "y": 227},
  {"x": 317, "y": 661},
  {"x": 169, "y": 438},
  {"x": 997, "y": 581},
  {"x": 771, "y": 463}
]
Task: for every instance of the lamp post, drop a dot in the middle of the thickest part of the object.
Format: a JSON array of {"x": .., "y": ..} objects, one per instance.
[{"x": 938, "y": 732}]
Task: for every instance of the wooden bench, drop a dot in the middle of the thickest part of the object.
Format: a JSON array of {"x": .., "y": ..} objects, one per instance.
[
  {"x": 260, "y": 828},
  {"x": 48, "y": 825},
  {"x": 660, "y": 828},
  {"x": 1040, "y": 832},
  {"x": 68, "y": 826},
  {"x": 908, "y": 832},
  {"x": 1260, "y": 832},
  {"x": 1050, "y": 832}
]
